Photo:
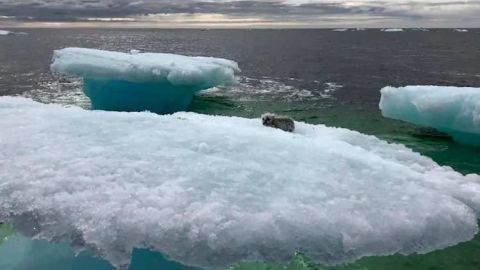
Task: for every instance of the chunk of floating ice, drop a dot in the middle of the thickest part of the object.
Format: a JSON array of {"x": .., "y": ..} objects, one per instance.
[
  {"x": 6, "y": 32},
  {"x": 392, "y": 30},
  {"x": 421, "y": 29},
  {"x": 461, "y": 30},
  {"x": 210, "y": 191},
  {"x": 161, "y": 83},
  {"x": 453, "y": 110}
]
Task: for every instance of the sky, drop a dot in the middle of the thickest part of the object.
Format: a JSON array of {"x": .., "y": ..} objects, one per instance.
[{"x": 239, "y": 14}]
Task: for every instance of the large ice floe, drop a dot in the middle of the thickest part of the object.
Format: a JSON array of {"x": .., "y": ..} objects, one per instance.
[
  {"x": 210, "y": 191},
  {"x": 161, "y": 83},
  {"x": 453, "y": 110}
]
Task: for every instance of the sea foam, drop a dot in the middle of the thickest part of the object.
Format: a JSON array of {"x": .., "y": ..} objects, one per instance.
[
  {"x": 210, "y": 191},
  {"x": 161, "y": 83}
]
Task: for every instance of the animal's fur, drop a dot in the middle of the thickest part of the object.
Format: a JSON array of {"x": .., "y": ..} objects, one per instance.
[{"x": 284, "y": 123}]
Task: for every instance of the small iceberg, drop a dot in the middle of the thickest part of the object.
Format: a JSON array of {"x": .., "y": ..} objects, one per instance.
[
  {"x": 420, "y": 29},
  {"x": 452, "y": 110},
  {"x": 157, "y": 82},
  {"x": 211, "y": 191},
  {"x": 392, "y": 30},
  {"x": 461, "y": 30},
  {"x": 340, "y": 30},
  {"x": 6, "y": 32}
]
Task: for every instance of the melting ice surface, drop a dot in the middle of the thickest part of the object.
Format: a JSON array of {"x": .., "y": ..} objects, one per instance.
[
  {"x": 453, "y": 110},
  {"x": 210, "y": 191},
  {"x": 161, "y": 83}
]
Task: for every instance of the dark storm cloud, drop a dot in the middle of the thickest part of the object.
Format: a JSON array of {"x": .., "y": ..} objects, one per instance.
[{"x": 73, "y": 10}]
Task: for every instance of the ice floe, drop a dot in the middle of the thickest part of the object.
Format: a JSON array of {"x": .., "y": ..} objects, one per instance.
[
  {"x": 420, "y": 29},
  {"x": 349, "y": 29},
  {"x": 453, "y": 110},
  {"x": 392, "y": 30},
  {"x": 162, "y": 83},
  {"x": 7, "y": 32},
  {"x": 210, "y": 191}
]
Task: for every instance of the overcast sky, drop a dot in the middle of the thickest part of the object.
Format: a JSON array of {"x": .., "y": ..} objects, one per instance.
[{"x": 252, "y": 13}]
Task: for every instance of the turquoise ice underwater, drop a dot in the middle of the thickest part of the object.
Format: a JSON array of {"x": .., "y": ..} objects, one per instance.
[{"x": 225, "y": 185}]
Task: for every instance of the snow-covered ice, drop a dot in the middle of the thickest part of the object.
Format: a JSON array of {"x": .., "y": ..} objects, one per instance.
[
  {"x": 210, "y": 191},
  {"x": 453, "y": 110},
  {"x": 461, "y": 30},
  {"x": 340, "y": 30},
  {"x": 162, "y": 83}
]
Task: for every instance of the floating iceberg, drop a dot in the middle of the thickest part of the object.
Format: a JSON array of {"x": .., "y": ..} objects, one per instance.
[
  {"x": 392, "y": 30},
  {"x": 161, "y": 83},
  {"x": 453, "y": 110},
  {"x": 210, "y": 191},
  {"x": 421, "y": 29},
  {"x": 340, "y": 30},
  {"x": 6, "y": 32},
  {"x": 461, "y": 30}
]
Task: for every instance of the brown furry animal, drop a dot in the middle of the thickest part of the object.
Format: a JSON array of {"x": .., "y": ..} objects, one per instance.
[{"x": 284, "y": 123}]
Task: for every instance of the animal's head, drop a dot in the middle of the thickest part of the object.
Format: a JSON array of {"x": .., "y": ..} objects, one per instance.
[{"x": 267, "y": 119}]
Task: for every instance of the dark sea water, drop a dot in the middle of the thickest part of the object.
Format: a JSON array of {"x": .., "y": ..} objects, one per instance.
[{"x": 316, "y": 76}]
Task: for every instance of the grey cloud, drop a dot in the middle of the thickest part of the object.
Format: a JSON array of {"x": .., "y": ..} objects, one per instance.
[{"x": 72, "y": 10}]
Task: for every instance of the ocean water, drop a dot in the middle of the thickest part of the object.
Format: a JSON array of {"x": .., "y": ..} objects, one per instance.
[{"x": 315, "y": 76}]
